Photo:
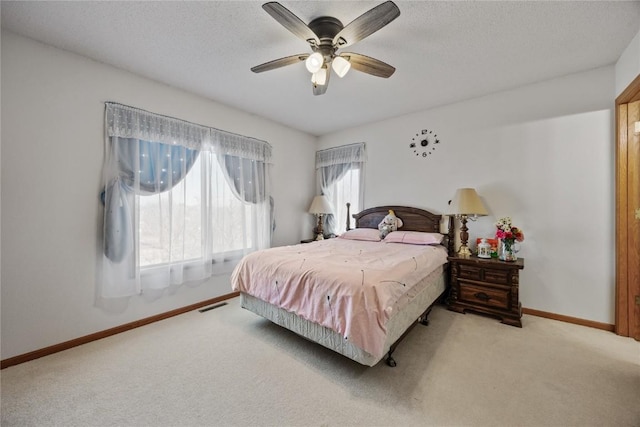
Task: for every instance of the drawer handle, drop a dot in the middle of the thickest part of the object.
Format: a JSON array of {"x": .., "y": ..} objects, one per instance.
[{"x": 482, "y": 296}]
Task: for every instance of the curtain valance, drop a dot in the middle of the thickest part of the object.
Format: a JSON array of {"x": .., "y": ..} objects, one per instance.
[
  {"x": 231, "y": 144},
  {"x": 344, "y": 154},
  {"x": 130, "y": 122}
]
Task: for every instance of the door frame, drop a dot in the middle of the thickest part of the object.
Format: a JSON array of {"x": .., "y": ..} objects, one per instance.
[{"x": 624, "y": 301}]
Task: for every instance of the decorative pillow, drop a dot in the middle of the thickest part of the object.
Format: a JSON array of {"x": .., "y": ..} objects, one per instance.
[
  {"x": 414, "y": 238},
  {"x": 370, "y": 234}
]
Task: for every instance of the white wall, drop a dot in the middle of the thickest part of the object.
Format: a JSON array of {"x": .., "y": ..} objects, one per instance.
[
  {"x": 542, "y": 154},
  {"x": 52, "y": 155},
  {"x": 628, "y": 65}
]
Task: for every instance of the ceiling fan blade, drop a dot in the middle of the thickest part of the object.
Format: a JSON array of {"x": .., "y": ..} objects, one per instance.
[
  {"x": 321, "y": 89},
  {"x": 368, "y": 65},
  {"x": 366, "y": 24},
  {"x": 277, "y": 63},
  {"x": 291, "y": 22}
]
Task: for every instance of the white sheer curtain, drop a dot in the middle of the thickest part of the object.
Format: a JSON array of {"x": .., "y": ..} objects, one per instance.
[
  {"x": 182, "y": 201},
  {"x": 340, "y": 172}
]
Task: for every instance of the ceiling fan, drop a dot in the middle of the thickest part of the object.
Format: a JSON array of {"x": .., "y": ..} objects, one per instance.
[{"x": 326, "y": 35}]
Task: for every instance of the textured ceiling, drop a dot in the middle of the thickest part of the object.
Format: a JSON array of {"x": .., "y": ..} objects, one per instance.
[{"x": 444, "y": 51}]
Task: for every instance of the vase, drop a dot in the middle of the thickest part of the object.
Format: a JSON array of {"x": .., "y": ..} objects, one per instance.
[{"x": 507, "y": 250}]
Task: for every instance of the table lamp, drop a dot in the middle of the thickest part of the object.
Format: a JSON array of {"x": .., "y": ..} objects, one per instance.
[
  {"x": 320, "y": 206},
  {"x": 466, "y": 205}
]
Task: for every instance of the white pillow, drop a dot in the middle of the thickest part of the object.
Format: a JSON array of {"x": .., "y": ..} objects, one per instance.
[
  {"x": 369, "y": 234},
  {"x": 414, "y": 238}
]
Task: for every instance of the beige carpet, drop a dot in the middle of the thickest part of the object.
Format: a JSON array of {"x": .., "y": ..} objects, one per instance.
[{"x": 229, "y": 367}]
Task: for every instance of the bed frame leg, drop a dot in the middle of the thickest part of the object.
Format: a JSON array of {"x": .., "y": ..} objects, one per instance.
[
  {"x": 390, "y": 360},
  {"x": 424, "y": 319}
]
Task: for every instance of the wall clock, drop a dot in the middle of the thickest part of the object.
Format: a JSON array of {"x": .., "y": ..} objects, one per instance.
[{"x": 424, "y": 143}]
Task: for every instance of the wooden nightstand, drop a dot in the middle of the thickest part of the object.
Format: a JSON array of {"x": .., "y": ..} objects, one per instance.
[
  {"x": 487, "y": 286},
  {"x": 327, "y": 236}
]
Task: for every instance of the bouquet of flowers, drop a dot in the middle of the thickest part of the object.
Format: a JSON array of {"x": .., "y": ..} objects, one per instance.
[{"x": 508, "y": 233}]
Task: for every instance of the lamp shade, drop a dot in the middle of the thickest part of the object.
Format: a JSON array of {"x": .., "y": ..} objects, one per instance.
[
  {"x": 467, "y": 202},
  {"x": 320, "y": 205},
  {"x": 340, "y": 66},
  {"x": 314, "y": 62},
  {"x": 319, "y": 77}
]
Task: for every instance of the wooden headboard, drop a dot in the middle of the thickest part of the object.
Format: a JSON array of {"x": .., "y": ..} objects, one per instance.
[{"x": 414, "y": 219}]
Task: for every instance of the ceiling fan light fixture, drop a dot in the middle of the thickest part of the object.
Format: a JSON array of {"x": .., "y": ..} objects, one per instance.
[
  {"x": 314, "y": 62},
  {"x": 325, "y": 35},
  {"x": 341, "y": 66},
  {"x": 319, "y": 78}
]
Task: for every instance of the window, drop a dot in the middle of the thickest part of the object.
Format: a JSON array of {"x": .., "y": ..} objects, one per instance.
[
  {"x": 159, "y": 230},
  {"x": 341, "y": 178},
  {"x": 346, "y": 190},
  {"x": 182, "y": 201}
]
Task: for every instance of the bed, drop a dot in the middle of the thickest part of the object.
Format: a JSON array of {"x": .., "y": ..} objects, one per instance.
[{"x": 352, "y": 294}]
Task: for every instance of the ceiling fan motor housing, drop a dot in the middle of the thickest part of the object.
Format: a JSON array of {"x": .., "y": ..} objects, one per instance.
[{"x": 326, "y": 28}]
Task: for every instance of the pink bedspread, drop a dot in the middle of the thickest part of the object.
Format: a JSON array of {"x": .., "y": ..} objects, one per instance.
[{"x": 352, "y": 287}]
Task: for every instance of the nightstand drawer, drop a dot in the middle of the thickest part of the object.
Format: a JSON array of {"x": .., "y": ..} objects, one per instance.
[
  {"x": 484, "y": 296},
  {"x": 470, "y": 272},
  {"x": 496, "y": 276}
]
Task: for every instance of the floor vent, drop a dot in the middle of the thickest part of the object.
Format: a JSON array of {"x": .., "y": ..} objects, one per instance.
[{"x": 202, "y": 310}]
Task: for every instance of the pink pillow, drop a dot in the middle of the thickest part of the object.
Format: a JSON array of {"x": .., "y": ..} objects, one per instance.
[
  {"x": 414, "y": 238},
  {"x": 370, "y": 234}
]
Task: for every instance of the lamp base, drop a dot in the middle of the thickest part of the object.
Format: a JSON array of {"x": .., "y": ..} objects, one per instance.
[
  {"x": 464, "y": 252},
  {"x": 319, "y": 230}
]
